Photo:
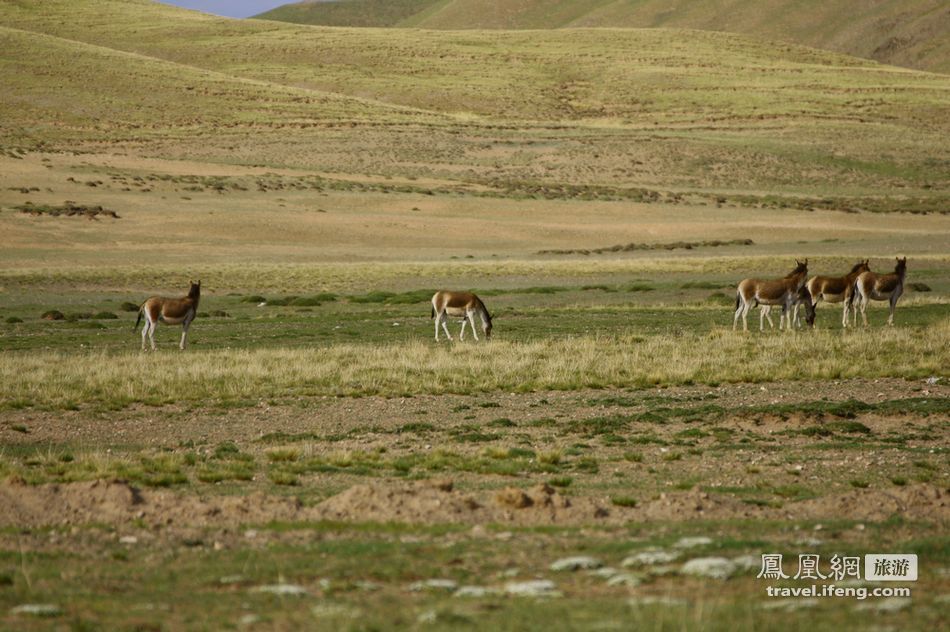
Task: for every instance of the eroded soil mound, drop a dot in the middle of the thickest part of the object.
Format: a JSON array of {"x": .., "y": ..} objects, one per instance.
[{"x": 432, "y": 502}]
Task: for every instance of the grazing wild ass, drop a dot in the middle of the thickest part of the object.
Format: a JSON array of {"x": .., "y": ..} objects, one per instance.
[
  {"x": 782, "y": 291},
  {"x": 802, "y": 299},
  {"x": 881, "y": 287},
  {"x": 838, "y": 289},
  {"x": 172, "y": 311},
  {"x": 464, "y": 305}
]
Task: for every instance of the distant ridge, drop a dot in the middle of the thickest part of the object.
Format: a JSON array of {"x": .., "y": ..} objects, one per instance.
[{"x": 910, "y": 33}]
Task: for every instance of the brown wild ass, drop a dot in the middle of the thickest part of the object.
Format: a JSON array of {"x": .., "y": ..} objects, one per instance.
[
  {"x": 837, "y": 289},
  {"x": 881, "y": 287},
  {"x": 782, "y": 291},
  {"x": 172, "y": 311},
  {"x": 802, "y": 299},
  {"x": 459, "y": 304}
]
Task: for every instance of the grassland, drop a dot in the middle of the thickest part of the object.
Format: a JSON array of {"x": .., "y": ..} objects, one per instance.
[
  {"x": 322, "y": 183},
  {"x": 904, "y": 33},
  {"x": 504, "y": 112}
]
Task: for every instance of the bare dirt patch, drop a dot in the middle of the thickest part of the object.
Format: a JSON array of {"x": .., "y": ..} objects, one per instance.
[{"x": 430, "y": 502}]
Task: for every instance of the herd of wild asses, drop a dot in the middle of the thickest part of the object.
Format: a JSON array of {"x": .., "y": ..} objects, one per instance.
[
  {"x": 792, "y": 292},
  {"x": 854, "y": 290}
]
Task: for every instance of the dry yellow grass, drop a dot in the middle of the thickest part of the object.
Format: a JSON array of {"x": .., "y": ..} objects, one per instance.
[{"x": 227, "y": 376}]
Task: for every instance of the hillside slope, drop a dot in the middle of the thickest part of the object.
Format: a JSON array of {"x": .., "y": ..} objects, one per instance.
[
  {"x": 551, "y": 112},
  {"x": 911, "y": 33}
]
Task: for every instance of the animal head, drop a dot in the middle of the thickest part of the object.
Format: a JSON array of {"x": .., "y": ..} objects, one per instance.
[
  {"x": 801, "y": 268},
  {"x": 861, "y": 266},
  {"x": 901, "y": 265},
  {"x": 195, "y": 289},
  {"x": 804, "y": 297},
  {"x": 486, "y": 325}
]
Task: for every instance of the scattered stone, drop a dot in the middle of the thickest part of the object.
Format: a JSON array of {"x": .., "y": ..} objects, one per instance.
[
  {"x": 231, "y": 579},
  {"x": 434, "y": 584},
  {"x": 327, "y": 610},
  {"x": 650, "y": 557},
  {"x": 887, "y": 604},
  {"x": 712, "y": 567},
  {"x": 653, "y": 600},
  {"x": 576, "y": 563},
  {"x": 37, "y": 609},
  {"x": 688, "y": 543},
  {"x": 748, "y": 562},
  {"x": 281, "y": 589},
  {"x": 128, "y": 539},
  {"x": 476, "y": 591},
  {"x": 533, "y": 588},
  {"x": 249, "y": 619},
  {"x": 605, "y": 572},
  {"x": 624, "y": 579}
]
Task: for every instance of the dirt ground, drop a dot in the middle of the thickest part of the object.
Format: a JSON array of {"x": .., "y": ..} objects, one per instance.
[{"x": 670, "y": 482}]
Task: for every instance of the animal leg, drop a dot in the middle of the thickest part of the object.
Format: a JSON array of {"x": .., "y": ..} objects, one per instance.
[
  {"x": 437, "y": 319},
  {"x": 890, "y": 318},
  {"x": 151, "y": 334},
  {"x": 184, "y": 333},
  {"x": 471, "y": 321},
  {"x": 462, "y": 332},
  {"x": 445, "y": 326},
  {"x": 145, "y": 333},
  {"x": 864, "y": 308}
]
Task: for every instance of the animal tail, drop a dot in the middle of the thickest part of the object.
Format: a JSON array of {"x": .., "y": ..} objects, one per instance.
[
  {"x": 433, "y": 312},
  {"x": 139, "y": 319},
  {"x": 737, "y": 302}
]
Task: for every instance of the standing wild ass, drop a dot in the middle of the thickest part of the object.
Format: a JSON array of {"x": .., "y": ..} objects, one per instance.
[
  {"x": 459, "y": 304},
  {"x": 802, "y": 299},
  {"x": 837, "y": 289},
  {"x": 881, "y": 287},
  {"x": 172, "y": 311},
  {"x": 782, "y": 291}
]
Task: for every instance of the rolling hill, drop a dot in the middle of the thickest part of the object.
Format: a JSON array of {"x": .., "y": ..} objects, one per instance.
[
  {"x": 579, "y": 112},
  {"x": 911, "y": 33}
]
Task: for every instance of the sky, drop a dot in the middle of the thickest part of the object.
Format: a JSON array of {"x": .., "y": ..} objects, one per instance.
[{"x": 230, "y": 8}]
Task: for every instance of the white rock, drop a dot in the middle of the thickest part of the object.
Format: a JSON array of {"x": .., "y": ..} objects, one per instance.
[
  {"x": 37, "y": 609},
  {"x": 605, "y": 572},
  {"x": 434, "y": 584},
  {"x": 624, "y": 579},
  {"x": 576, "y": 563},
  {"x": 281, "y": 589},
  {"x": 712, "y": 567},
  {"x": 748, "y": 562},
  {"x": 249, "y": 619},
  {"x": 533, "y": 588},
  {"x": 128, "y": 539},
  {"x": 476, "y": 591},
  {"x": 688, "y": 543},
  {"x": 653, "y": 600},
  {"x": 650, "y": 557},
  {"x": 888, "y": 604}
]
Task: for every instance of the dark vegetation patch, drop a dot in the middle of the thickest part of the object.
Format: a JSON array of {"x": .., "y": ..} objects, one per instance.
[
  {"x": 676, "y": 245},
  {"x": 67, "y": 209}
]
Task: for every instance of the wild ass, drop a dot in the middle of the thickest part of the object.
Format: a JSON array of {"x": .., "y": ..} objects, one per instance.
[
  {"x": 802, "y": 299},
  {"x": 837, "y": 289},
  {"x": 881, "y": 287},
  {"x": 782, "y": 291},
  {"x": 172, "y": 311},
  {"x": 459, "y": 304}
]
